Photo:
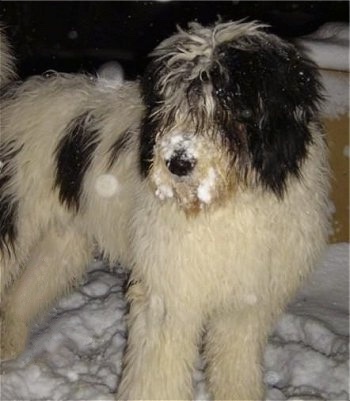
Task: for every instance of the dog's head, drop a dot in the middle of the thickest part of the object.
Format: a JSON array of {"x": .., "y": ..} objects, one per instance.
[{"x": 226, "y": 106}]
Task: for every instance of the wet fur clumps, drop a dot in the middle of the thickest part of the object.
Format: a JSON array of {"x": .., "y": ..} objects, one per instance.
[
  {"x": 8, "y": 201},
  {"x": 255, "y": 92},
  {"x": 120, "y": 146}
]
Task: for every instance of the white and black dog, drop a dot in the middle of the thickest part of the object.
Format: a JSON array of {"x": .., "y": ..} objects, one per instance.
[{"x": 208, "y": 178}]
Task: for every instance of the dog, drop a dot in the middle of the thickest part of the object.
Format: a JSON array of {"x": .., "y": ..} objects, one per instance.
[{"x": 208, "y": 178}]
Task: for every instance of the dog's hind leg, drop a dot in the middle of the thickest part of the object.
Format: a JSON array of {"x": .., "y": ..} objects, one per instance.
[
  {"x": 54, "y": 266},
  {"x": 161, "y": 352},
  {"x": 233, "y": 351}
]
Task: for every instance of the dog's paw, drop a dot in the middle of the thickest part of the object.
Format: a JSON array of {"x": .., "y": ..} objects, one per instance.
[{"x": 13, "y": 338}]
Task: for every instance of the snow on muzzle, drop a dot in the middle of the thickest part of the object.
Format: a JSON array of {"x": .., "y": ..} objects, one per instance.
[
  {"x": 181, "y": 163},
  {"x": 180, "y": 154}
]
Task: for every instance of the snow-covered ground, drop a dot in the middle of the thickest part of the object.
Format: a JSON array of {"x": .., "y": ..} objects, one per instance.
[
  {"x": 75, "y": 352},
  {"x": 328, "y": 47}
]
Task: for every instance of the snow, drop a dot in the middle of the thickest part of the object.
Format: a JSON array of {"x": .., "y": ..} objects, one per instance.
[
  {"x": 177, "y": 141},
  {"x": 75, "y": 352},
  {"x": 73, "y": 34},
  {"x": 346, "y": 152},
  {"x": 188, "y": 147},
  {"x": 110, "y": 75},
  {"x": 164, "y": 191},
  {"x": 328, "y": 47},
  {"x": 206, "y": 186},
  {"x": 107, "y": 185},
  {"x": 336, "y": 93}
]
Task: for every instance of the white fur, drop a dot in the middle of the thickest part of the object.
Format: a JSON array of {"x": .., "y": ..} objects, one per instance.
[
  {"x": 201, "y": 271},
  {"x": 186, "y": 46},
  {"x": 45, "y": 110},
  {"x": 190, "y": 272}
]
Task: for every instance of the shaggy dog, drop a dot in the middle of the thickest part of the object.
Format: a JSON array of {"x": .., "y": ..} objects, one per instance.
[{"x": 208, "y": 178}]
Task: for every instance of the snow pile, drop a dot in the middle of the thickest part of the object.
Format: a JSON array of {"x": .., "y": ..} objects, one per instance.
[
  {"x": 336, "y": 94},
  {"x": 76, "y": 351},
  {"x": 304, "y": 358},
  {"x": 328, "y": 47}
]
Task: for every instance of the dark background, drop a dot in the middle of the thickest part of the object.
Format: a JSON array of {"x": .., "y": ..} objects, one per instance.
[{"x": 80, "y": 36}]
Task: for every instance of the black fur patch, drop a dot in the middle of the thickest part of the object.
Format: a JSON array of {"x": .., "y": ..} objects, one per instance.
[
  {"x": 271, "y": 92},
  {"x": 149, "y": 125},
  {"x": 147, "y": 141},
  {"x": 120, "y": 145},
  {"x": 8, "y": 202},
  {"x": 74, "y": 154}
]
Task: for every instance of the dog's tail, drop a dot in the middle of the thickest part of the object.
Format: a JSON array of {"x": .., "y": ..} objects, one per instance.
[{"x": 7, "y": 61}]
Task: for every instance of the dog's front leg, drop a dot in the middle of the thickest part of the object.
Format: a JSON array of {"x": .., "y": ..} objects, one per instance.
[
  {"x": 233, "y": 351},
  {"x": 55, "y": 264},
  {"x": 162, "y": 349}
]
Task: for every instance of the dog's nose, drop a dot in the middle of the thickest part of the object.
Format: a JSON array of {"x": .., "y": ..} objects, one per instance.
[{"x": 180, "y": 165}]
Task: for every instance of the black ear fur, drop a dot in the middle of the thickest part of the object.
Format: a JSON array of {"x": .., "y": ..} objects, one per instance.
[
  {"x": 149, "y": 125},
  {"x": 289, "y": 103},
  {"x": 279, "y": 91}
]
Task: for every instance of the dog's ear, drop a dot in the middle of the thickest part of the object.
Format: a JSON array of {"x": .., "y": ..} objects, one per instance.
[
  {"x": 288, "y": 97},
  {"x": 277, "y": 91}
]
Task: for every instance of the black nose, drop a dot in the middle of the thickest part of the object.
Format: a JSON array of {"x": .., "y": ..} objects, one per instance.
[{"x": 180, "y": 165}]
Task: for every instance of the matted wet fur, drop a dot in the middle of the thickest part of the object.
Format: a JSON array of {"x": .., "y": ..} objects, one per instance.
[{"x": 208, "y": 178}]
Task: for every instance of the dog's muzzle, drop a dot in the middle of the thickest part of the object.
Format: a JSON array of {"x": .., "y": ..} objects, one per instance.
[{"x": 180, "y": 163}]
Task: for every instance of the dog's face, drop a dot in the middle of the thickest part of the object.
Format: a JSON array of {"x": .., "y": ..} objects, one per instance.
[{"x": 227, "y": 106}]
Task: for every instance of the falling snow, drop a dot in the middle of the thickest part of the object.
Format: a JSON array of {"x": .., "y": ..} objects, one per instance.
[
  {"x": 106, "y": 185},
  {"x": 110, "y": 75}
]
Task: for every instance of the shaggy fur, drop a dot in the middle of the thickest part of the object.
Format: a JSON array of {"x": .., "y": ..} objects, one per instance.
[
  {"x": 209, "y": 179},
  {"x": 7, "y": 70}
]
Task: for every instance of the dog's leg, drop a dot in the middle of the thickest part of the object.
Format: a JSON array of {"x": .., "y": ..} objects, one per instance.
[
  {"x": 9, "y": 269},
  {"x": 233, "y": 352},
  {"x": 55, "y": 264},
  {"x": 12, "y": 259},
  {"x": 161, "y": 351}
]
